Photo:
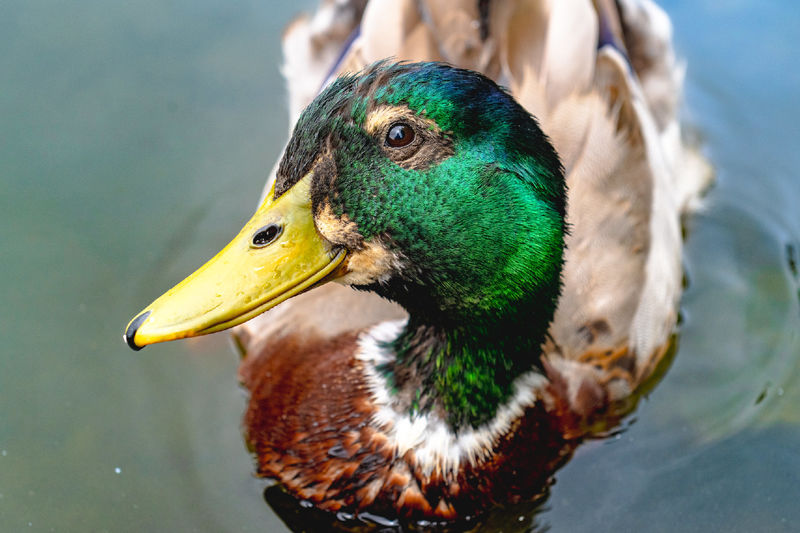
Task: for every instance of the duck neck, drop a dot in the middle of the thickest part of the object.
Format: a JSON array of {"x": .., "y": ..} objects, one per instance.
[{"x": 464, "y": 368}]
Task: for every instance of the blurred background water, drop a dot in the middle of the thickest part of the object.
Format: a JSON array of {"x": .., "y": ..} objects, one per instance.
[{"x": 134, "y": 141}]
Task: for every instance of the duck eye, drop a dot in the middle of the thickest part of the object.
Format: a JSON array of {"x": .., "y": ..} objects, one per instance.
[
  {"x": 266, "y": 235},
  {"x": 399, "y": 135}
]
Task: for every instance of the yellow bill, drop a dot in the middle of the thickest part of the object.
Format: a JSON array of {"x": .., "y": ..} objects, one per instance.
[{"x": 278, "y": 254}]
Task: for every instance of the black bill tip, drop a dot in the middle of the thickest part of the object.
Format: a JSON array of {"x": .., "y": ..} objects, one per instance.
[{"x": 131, "y": 331}]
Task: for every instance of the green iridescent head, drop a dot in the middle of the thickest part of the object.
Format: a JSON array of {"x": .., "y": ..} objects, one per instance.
[{"x": 448, "y": 175}]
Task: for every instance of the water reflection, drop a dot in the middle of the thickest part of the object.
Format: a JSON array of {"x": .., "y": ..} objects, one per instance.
[{"x": 304, "y": 517}]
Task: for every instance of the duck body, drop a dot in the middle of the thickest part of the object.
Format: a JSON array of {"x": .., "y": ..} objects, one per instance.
[
  {"x": 505, "y": 284},
  {"x": 317, "y": 428}
]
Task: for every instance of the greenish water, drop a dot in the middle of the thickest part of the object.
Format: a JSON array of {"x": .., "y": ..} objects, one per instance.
[{"x": 134, "y": 140}]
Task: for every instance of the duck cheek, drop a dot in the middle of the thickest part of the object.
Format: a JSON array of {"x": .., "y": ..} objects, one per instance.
[
  {"x": 373, "y": 263},
  {"x": 338, "y": 230}
]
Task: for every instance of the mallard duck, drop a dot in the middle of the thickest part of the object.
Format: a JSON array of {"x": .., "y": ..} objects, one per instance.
[{"x": 516, "y": 253}]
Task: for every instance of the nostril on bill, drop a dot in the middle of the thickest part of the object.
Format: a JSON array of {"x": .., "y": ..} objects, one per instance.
[{"x": 266, "y": 235}]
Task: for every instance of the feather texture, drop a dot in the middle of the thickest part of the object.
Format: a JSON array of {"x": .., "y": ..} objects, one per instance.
[{"x": 605, "y": 86}]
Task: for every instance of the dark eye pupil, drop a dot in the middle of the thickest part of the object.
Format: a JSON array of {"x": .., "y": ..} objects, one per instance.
[
  {"x": 266, "y": 235},
  {"x": 399, "y": 135}
]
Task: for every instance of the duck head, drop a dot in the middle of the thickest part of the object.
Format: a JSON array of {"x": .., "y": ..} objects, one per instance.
[{"x": 427, "y": 184}]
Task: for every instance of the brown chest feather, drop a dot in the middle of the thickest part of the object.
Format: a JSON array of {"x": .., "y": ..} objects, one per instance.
[{"x": 309, "y": 422}]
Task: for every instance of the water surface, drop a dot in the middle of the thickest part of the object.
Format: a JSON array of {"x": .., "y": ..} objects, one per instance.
[{"x": 134, "y": 140}]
